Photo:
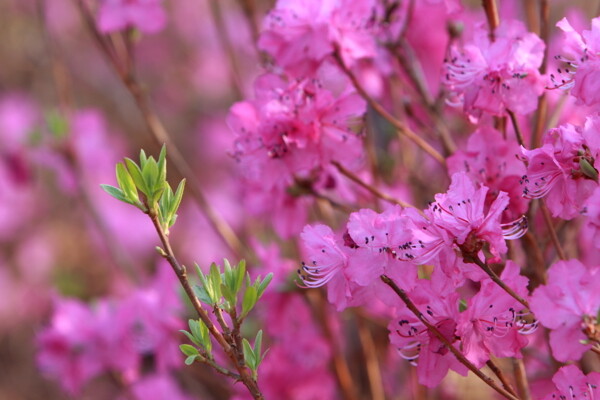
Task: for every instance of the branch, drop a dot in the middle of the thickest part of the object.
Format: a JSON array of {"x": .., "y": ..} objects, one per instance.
[
  {"x": 373, "y": 190},
  {"x": 180, "y": 271},
  {"x": 486, "y": 268},
  {"x": 459, "y": 356},
  {"x": 552, "y": 231},
  {"x": 400, "y": 126}
]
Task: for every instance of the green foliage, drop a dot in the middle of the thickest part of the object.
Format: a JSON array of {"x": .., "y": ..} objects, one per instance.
[
  {"x": 254, "y": 355},
  {"x": 224, "y": 288},
  {"x": 145, "y": 186}
]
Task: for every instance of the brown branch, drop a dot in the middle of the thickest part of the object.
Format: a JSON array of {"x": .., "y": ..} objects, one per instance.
[
  {"x": 226, "y": 44},
  {"x": 498, "y": 372},
  {"x": 542, "y": 109},
  {"x": 373, "y": 190},
  {"x": 340, "y": 365},
  {"x": 486, "y": 268},
  {"x": 515, "y": 124},
  {"x": 548, "y": 219},
  {"x": 409, "y": 62},
  {"x": 371, "y": 361},
  {"x": 401, "y": 127},
  {"x": 521, "y": 378},
  {"x": 433, "y": 329},
  {"x": 493, "y": 18},
  {"x": 181, "y": 272}
]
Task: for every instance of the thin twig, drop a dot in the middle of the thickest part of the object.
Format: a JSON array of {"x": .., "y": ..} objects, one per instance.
[
  {"x": 373, "y": 190},
  {"x": 493, "y": 18},
  {"x": 409, "y": 62},
  {"x": 537, "y": 259},
  {"x": 542, "y": 109},
  {"x": 400, "y": 126},
  {"x": 371, "y": 361},
  {"x": 521, "y": 378},
  {"x": 433, "y": 329},
  {"x": 181, "y": 272},
  {"x": 486, "y": 268},
  {"x": 340, "y": 365},
  {"x": 559, "y": 250},
  {"x": 226, "y": 44},
  {"x": 498, "y": 372},
  {"x": 515, "y": 124}
]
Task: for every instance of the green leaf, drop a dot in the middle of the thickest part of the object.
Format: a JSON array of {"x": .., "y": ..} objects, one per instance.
[
  {"x": 190, "y": 360},
  {"x": 588, "y": 169},
  {"x": 126, "y": 183},
  {"x": 116, "y": 193},
  {"x": 241, "y": 272},
  {"x": 215, "y": 282},
  {"x": 188, "y": 350},
  {"x": 162, "y": 163},
  {"x": 263, "y": 285},
  {"x": 249, "y": 354},
  {"x": 229, "y": 296},
  {"x": 143, "y": 158},
  {"x": 136, "y": 174},
  {"x": 150, "y": 174},
  {"x": 191, "y": 337},
  {"x": 202, "y": 294},
  {"x": 258, "y": 345},
  {"x": 178, "y": 196},
  {"x": 249, "y": 301},
  {"x": 205, "y": 335}
]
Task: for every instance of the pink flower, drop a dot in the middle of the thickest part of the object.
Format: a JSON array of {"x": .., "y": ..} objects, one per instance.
[
  {"x": 69, "y": 349},
  {"x": 301, "y": 34},
  {"x": 490, "y": 160},
  {"x": 158, "y": 387},
  {"x": 417, "y": 344},
  {"x": 592, "y": 212},
  {"x": 381, "y": 242},
  {"x": 492, "y": 77},
  {"x": 146, "y": 15},
  {"x": 571, "y": 383},
  {"x": 459, "y": 218},
  {"x": 492, "y": 323},
  {"x": 567, "y": 304},
  {"x": 286, "y": 140},
  {"x": 565, "y": 168},
  {"x": 582, "y": 73}
]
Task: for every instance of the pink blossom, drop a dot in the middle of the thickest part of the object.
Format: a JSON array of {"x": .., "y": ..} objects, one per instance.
[
  {"x": 381, "y": 242},
  {"x": 146, "y": 15},
  {"x": 287, "y": 138},
  {"x": 592, "y": 212},
  {"x": 417, "y": 344},
  {"x": 494, "y": 76},
  {"x": 158, "y": 387},
  {"x": 564, "y": 169},
  {"x": 566, "y": 305},
  {"x": 70, "y": 349},
  {"x": 491, "y": 161},
  {"x": 492, "y": 323},
  {"x": 571, "y": 383},
  {"x": 582, "y": 72},
  {"x": 301, "y": 34},
  {"x": 459, "y": 218}
]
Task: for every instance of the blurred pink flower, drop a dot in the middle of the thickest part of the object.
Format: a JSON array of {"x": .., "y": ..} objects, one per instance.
[
  {"x": 146, "y": 15},
  {"x": 563, "y": 304}
]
